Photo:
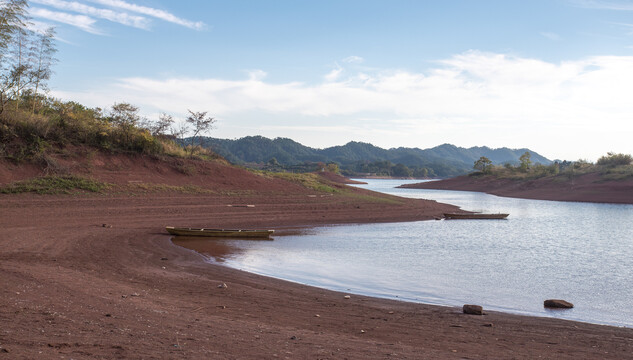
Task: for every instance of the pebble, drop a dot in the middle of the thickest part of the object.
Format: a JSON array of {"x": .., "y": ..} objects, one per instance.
[
  {"x": 347, "y": 297},
  {"x": 222, "y": 286}
]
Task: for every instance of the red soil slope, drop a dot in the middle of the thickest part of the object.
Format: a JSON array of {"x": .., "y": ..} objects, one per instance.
[
  {"x": 97, "y": 277},
  {"x": 587, "y": 188}
]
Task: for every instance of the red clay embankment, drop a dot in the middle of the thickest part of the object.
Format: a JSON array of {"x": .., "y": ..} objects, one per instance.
[{"x": 586, "y": 188}]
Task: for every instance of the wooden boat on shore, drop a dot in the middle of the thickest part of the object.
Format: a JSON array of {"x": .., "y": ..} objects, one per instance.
[
  {"x": 464, "y": 216},
  {"x": 224, "y": 233}
]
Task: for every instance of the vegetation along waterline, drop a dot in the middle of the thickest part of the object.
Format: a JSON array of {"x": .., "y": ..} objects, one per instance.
[{"x": 609, "y": 180}]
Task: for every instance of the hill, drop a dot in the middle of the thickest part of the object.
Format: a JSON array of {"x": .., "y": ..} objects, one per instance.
[{"x": 357, "y": 158}]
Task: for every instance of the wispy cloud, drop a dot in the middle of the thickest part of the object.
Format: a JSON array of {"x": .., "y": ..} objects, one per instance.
[
  {"x": 469, "y": 99},
  {"x": 156, "y": 13},
  {"x": 550, "y": 35},
  {"x": 82, "y": 22},
  {"x": 605, "y": 5},
  {"x": 353, "y": 59},
  {"x": 107, "y": 14}
]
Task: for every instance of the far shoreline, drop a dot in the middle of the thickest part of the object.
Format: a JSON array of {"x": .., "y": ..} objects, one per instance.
[{"x": 586, "y": 188}]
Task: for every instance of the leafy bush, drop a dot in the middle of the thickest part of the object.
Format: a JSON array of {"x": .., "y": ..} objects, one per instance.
[
  {"x": 25, "y": 135},
  {"x": 613, "y": 160}
]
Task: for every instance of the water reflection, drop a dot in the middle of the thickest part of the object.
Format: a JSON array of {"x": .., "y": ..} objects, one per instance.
[
  {"x": 217, "y": 249},
  {"x": 221, "y": 249}
]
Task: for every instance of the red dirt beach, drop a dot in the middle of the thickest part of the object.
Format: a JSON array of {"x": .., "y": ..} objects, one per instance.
[{"x": 90, "y": 276}]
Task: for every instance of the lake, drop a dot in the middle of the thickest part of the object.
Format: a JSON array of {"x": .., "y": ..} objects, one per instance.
[{"x": 580, "y": 252}]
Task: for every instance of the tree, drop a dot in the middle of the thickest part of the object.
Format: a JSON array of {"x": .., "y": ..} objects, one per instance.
[
  {"x": 333, "y": 168},
  {"x": 44, "y": 51},
  {"x": 483, "y": 164},
  {"x": 401, "y": 170},
  {"x": 22, "y": 52},
  {"x": 526, "y": 163},
  {"x": 163, "y": 124},
  {"x": 125, "y": 116},
  {"x": 13, "y": 19},
  {"x": 201, "y": 123}
]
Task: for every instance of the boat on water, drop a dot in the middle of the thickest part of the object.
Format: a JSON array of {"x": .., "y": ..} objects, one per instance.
[
  {"x": 463, "y": 216},
  {"x": 225, "y": 233}
]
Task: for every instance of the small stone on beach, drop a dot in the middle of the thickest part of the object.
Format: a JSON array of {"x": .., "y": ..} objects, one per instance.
[
  {"x": 347, "y": 297},
  {"x": 222, "y": 286},
  {"x": 557, "y": 304},
  {"x": 473, "y": 309}
]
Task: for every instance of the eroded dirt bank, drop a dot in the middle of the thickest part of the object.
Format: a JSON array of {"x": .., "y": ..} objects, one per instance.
[
  {"x": 586, "y": 188},
  {"x": 72, "y": 288}
]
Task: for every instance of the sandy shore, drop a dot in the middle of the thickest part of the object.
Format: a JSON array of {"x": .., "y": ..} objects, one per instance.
[{"x": 71, "y": 287}]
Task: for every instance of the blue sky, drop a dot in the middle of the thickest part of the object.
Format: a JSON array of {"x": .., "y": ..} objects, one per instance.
[{"x": 555, "y": 76}]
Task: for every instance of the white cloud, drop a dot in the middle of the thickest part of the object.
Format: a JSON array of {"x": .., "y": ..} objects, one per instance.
[
  {"x": 107, "y": 14},
  {"x": 354, "y": 59},
  {"x": 157, "y": 13},
  {"x": 334, "y": 74},
  {"x": 82, "y": 22},
  {"x": 568, "y": 110}
]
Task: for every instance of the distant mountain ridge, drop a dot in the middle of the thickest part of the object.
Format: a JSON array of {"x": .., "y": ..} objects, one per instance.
[{"x": 443, "y": 160}]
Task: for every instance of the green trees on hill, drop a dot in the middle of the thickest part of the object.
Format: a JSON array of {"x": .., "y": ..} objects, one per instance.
[
  {"x": 610, "y": 167},
  {"x": 483, "y": 164},
  {"x": 613, "y": 160}
]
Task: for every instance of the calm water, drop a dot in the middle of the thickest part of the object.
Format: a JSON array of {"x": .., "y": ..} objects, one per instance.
[{"x": 580, "y": 252}]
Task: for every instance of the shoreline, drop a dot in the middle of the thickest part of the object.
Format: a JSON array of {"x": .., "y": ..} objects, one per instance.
[
  {"x": 98, "y": 277},
  {"x": 212, "y": 256},
  {"x": 586, "y": 188}
]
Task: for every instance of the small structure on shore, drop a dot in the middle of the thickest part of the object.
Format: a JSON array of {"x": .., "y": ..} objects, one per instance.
[
  {"x": 223, "y": 233},
  {"x": 474, "y": 216}
]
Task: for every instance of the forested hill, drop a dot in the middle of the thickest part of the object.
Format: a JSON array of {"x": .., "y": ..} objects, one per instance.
[{"x": 362, "y": 158}]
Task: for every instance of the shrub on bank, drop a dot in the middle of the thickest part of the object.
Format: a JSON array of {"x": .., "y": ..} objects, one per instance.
[{"x": 54, "y": 185}]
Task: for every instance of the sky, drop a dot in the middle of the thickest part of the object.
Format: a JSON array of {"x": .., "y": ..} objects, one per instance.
[{"x": 554, "y": 76}]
